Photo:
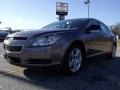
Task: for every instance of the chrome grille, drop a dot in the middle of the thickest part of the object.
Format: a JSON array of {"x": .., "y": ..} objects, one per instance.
[
  {"x": 16, "y": 38},
  {"x": 13, "y": 48}
]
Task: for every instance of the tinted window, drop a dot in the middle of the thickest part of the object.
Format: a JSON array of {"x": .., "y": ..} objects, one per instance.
[
  {"x": 105, "y": 29},
  {"x": 94, "y": 27},
  {"x": 68, "y": 24}
]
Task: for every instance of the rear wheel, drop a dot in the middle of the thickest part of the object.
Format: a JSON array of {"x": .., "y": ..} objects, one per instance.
[
  {"x": 113, "y": 52},
  {"x": 73, "y": 59}
]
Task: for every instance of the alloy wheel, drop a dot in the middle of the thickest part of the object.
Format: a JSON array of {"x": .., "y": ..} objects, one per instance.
[{"x": 75, "y": 60}]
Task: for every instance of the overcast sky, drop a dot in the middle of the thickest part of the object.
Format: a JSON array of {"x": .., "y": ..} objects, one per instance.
[{"x": 34, "y": 14}]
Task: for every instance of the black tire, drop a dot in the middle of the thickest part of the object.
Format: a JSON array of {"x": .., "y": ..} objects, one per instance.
[
  {"x": 67, "y": 61},
  {"x": 112, "y": 55}
]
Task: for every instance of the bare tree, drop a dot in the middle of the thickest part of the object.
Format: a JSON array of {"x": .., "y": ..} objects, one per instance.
[{"x": 116, "y": 29}]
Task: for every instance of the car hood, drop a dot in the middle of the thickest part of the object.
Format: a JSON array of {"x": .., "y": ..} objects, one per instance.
[{"x": 31, "y": 33}]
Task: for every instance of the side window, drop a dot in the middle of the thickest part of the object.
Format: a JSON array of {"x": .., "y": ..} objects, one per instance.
[
  {"x": 93, "y": 25},
  {"x": 105, "y": 29}
]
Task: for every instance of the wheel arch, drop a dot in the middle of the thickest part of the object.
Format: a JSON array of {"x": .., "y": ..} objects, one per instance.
[
  {"x": 77, "y": 42},
  {"x": 64, "y": 63},
  {"x": 115, "y": 43}
]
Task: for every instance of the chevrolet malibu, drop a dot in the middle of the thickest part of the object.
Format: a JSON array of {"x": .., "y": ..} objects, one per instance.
[{"x": 67, "y": 43}]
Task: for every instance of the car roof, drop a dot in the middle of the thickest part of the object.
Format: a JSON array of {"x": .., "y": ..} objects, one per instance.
[{"x": 82, "y": 19}]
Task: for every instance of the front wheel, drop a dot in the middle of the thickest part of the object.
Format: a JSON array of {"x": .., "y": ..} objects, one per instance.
[{"x": 73, "y": 59}]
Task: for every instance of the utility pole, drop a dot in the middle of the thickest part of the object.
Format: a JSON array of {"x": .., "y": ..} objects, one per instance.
[{"x": 88, "y": 5}]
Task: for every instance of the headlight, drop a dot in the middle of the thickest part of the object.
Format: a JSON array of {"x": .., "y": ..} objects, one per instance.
[{"x": 46, "y": 40}]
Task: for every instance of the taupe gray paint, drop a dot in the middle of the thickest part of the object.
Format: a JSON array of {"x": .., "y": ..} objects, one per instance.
[{"x": 94, "y": 43}]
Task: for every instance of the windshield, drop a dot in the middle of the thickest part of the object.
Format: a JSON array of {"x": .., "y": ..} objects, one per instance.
[{"x": 68, "y": 24}]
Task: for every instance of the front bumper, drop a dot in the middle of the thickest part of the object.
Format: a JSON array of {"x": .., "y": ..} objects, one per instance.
[{"x": 37, "y": 56}]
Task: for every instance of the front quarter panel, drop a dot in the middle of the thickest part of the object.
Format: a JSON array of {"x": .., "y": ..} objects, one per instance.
[{"x": 66, "y": 41}]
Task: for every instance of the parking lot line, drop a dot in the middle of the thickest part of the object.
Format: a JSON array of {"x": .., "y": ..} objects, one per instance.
[{"x": 10, "y": 72}]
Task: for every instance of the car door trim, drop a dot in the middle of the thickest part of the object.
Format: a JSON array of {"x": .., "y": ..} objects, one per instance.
[{"x": 95, "y": 54}]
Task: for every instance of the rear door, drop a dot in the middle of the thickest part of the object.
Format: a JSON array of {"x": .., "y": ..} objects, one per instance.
[
  {"x": 94, "y": 40},
  {"x": 107, "y": 38}
]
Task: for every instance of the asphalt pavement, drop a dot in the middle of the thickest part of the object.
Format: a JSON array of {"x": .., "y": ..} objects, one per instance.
[{"x": 98, "y": 74}]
